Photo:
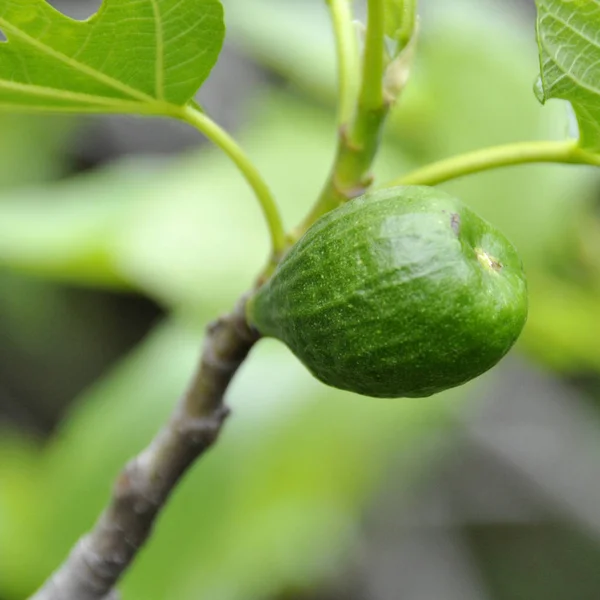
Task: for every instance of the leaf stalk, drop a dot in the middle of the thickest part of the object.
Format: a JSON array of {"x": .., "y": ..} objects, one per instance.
[
  {"x": 497, "y": 157},
  {"x": 223, "y": 140},
  {"x": 347, "y": 57}
]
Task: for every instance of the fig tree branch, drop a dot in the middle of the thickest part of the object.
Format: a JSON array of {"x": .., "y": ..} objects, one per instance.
[
  {"x": 496, "y": 157},
  {"x": 100, "y": 558}
]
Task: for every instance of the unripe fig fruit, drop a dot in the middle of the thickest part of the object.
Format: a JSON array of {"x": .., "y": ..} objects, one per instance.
[{"x": 401, "y": 292}]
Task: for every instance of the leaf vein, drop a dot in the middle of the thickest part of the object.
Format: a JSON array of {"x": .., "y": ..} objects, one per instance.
[
  {"x": 160, "y": 49},
  {"x": 38, "y": 90},
  {"x": 577, "y": 32},
  {"x": 76, "y": 65}
]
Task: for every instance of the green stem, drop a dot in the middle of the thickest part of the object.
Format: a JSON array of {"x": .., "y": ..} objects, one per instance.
[
  {"x": 195, "y": 104},
  {"x": 497, "y": 157},
  {"x": 409, "y": 22},
  {"x": 358, "y": 139},
  {"x": 371, "y": 93},
  {"x": 347, "y": 57},
  {"x": 223, "y": 140}
]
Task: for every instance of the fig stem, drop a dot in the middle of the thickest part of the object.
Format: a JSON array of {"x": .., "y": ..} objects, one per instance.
[
  {"x": 371, "y": 93},
  {"x": 347, "y": 57},
  {"x": 223, "y": 140},
  {"x": 358, "y": 138},
  {"x": 497, "y": 157}
]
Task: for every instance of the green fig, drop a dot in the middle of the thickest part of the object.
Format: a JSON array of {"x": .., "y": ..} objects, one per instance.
[{"x": 400, "y": 292}]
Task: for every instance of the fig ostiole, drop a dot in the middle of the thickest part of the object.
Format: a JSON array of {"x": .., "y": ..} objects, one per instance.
[{"x": 400, "y": 292}]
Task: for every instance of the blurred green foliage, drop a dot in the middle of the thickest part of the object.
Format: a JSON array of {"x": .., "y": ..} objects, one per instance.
[
  {"x": 32, "y": 148},
  {"x": 277, "y": 503}
]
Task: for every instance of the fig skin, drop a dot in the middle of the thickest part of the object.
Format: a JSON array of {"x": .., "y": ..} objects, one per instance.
[{"x": 403, "y": 292}]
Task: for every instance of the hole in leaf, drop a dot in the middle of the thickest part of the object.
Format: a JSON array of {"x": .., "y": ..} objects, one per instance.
[
  {"x": 2, "y": 36},
  {"x": 76, "y": 9}
]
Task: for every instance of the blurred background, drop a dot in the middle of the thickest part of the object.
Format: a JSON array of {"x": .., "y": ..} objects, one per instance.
[{"x": 120, "y": 238}]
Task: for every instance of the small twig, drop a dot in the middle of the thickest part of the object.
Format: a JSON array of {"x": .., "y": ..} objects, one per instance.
[{"x": 141, "y": 491}]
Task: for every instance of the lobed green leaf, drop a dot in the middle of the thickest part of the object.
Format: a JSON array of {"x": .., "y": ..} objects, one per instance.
[
  {"x": 132, "y": 56},
  {"x": 568, "y": 33}
]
